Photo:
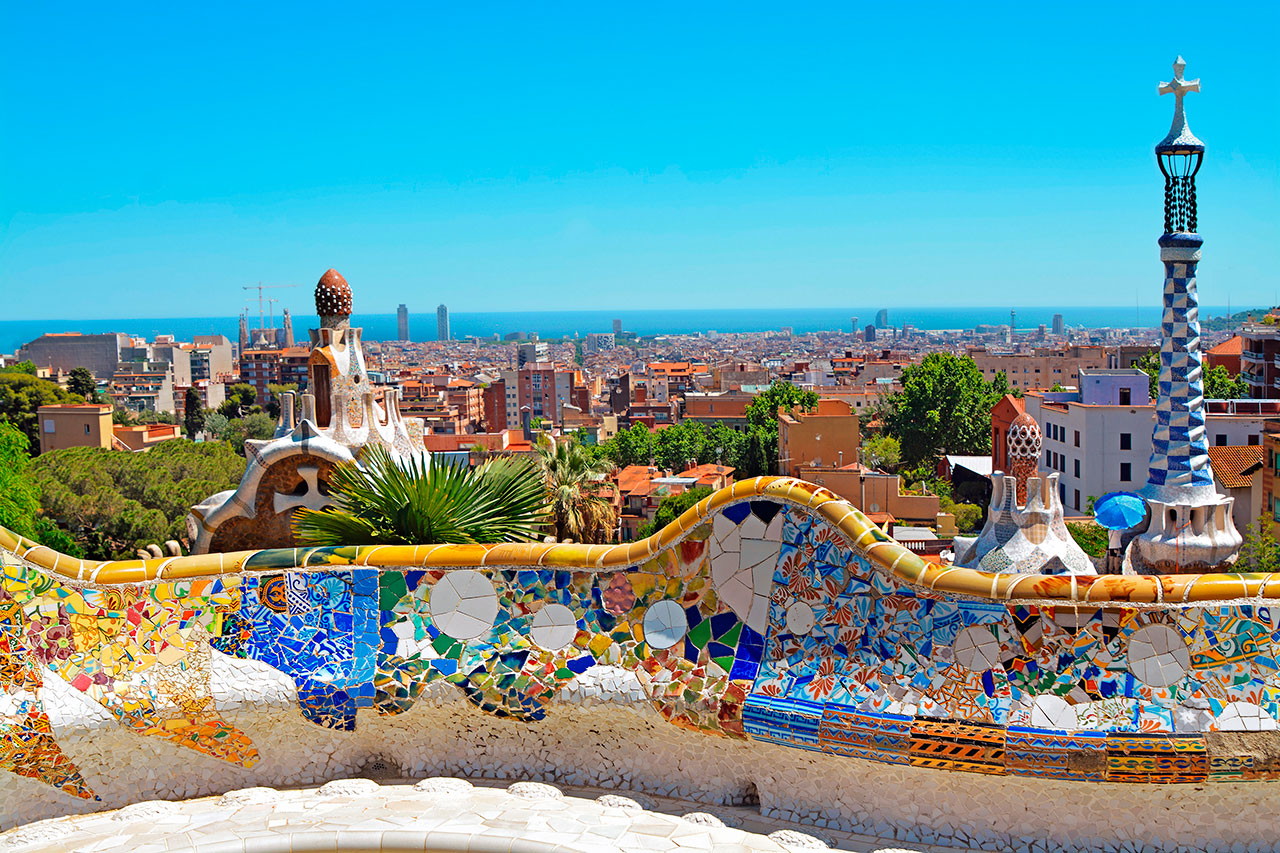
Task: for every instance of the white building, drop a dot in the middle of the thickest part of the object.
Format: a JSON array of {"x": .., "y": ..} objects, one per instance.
[{"x": 1098, "y": 444}]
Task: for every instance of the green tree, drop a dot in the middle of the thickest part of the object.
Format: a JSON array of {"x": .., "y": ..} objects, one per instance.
[
  {"x": 881, "y": 451},
  {"x": 968, "y": 516},
  {"x": 81, "y": 383},
  {"x": 1260, "y": 551},
  {"x": 1219, "y": 384},
  {"x": 113, "y": 503},
  {"x": 28, "y": 367},
  {"x": 574, "y": 481},
  {"x": 578, "y": 357},
  {"x": 762, "y": 411},
  {"x": 756, "y": 454},
  {"x": 634, "y": 446},
  {"x": 192, "y": 414},
  {"x": 21, "y": 395},
  {"x": 20, "y": 496},
  {"x": 257, "y": 426},
  {"x": 239, "y": 401},
  {"x": 382, "y": 501},
  {"x": 671, "y": 508},
  {"x": 275, "y": 390},
  {"x": 944, "y": 407},
  {"x": 1150, "y": 365}
]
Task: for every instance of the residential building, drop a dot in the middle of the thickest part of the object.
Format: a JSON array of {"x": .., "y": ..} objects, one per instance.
[
  {"x": 212, "y": 358},
  {"x": 1040, "y": 369},
  {"x": 1099, "y": 438},
  {"x": 211, "y": 394},
  {"x": 442, "y": 323},
  {"x": 878, "y": 495},
  {"x": 142, "y": 386},
  {"x": 1237, "y": 472},
  {"x": 74, "y": 425},
  {"x": 530, "y": 352},
  {"x": 263, "y": 367},
  {"x": 1271, "y": 476},
  {"x": 494, "y": 402},
  {"x": 402, "y": 322},
  {"x": 62, "y": 352},
  {"x": 727, "y": 407},
  {"x": 600, "y": 342},
  {"x": 1260, "y": 359},
  {"x": 828, "y": 436},
  {"x": 166, "y": 349}
]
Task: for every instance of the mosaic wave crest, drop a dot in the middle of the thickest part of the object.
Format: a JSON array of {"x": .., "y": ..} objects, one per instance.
[{"x": 771, "y": 611}]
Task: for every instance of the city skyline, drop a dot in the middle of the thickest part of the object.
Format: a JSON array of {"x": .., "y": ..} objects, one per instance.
[{"x": 773, "y": 160}]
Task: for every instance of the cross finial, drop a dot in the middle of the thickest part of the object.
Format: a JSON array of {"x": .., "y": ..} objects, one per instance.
[
  {"x": 1179, "y": 132},
  {"x": 1177, "y": 85}
]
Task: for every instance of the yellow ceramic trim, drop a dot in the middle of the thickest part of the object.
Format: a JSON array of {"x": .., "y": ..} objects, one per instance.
[{"x": 891, "y": 556}]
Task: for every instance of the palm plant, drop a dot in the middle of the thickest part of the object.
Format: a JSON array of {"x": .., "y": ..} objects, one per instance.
[
  {"x": 578, "y": 511},
  {"x": 379, "y": 500}
]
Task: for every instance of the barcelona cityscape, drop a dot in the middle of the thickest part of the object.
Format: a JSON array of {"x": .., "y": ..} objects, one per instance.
[{"x": 569, "y": 428}]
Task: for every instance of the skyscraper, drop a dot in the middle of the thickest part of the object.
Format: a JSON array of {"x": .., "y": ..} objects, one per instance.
[
  {"x": 402, "y": 322},
  {"x": 1058, "y": 326},
  {"x": 442, "y": 323},
  {"x": 882, "y": 318},
  {"x": 617, "y": 327},
  {"x": 853, "y": 325}
]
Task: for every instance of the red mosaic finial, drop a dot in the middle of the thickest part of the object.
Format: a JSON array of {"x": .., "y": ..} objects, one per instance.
[
  {"x": 333, "y": 295},
  {"x": 1024, "y": 452}
]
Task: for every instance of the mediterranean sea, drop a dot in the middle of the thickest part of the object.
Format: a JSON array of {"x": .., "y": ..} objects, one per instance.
[{"x": 557, "y": 324}]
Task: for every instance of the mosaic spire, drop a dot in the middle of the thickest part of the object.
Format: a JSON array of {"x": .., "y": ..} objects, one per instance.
[{"x": 1179, "y": 466}]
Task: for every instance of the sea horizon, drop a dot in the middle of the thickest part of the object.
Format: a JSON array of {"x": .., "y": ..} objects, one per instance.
[{"x": 559, "y": 324}]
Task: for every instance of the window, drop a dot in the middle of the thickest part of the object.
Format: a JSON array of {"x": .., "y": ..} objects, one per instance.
[
  {"x": 1062, "y": 493},
  {"x": 1077, "y": 468},
  {"x": 1126, "y": 472},
  {"x": 86, "y": 429},
  {"x": 1253, "y": 440},
  {"x": 1077, "y": 438},
  {"x": 1047, "y": 456},
  {"x": 1077, "y": 504},
  {"x": 1126, "y": 441},
  {"x": 1220, "y": 440},
  {"x": 1126, "y": 396},
  {"x": 48, "y": 424}
]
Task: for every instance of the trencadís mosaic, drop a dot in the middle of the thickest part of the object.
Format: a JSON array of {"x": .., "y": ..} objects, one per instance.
[{"x": 772, "y": 611}]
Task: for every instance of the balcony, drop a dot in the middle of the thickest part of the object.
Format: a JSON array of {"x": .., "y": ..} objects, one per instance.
[
  {"x": 1252, "y": 379},
  {"x": 1246, "y": 355}
]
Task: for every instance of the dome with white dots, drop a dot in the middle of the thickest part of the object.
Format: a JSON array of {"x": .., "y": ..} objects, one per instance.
[{"x": 333, "y": 295}]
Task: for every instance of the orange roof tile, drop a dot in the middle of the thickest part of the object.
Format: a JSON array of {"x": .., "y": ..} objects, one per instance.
[
  {"x": 1232, "y": 346},
  {"x": 1234, "y": 465}
]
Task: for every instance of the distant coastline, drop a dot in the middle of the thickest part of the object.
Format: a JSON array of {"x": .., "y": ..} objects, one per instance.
[{"x": 558, "y": 324}]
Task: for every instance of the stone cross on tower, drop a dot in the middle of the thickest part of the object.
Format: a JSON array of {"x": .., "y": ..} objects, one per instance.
[{"x": 1179, "y": 88}]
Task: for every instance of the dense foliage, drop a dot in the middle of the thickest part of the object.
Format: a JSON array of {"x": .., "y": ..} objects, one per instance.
[
  {"x": 944, "y": 407},
  {"x": 112, "y": 503},
  {"x": 21, "y": 394},
  {"x": 671, "y": 508},
  {"x": 381, "y": 501},
  {"x": 683, "y": 445},
  {"x": 20, "y": 497},
  {"x": 1260, "y": 551},
  {"x": 1092, "y": 538}
]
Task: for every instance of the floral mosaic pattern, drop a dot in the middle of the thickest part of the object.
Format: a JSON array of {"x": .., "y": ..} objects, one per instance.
[{"x": 763, "y": 621}]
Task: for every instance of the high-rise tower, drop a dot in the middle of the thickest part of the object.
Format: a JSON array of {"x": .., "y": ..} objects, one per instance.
[
  {"x": 1190, "y": 527},
  {"x": 442, "y": 323},
  {"x": 402, "y": 322}
]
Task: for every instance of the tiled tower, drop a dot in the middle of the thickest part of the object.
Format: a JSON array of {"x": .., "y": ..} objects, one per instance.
[{"x": 1190, "y": 527}]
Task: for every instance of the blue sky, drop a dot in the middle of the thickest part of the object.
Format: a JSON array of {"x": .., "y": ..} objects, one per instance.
[{"x": 154, "y": 158}]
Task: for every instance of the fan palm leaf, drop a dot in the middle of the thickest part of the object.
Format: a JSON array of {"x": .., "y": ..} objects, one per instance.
[
  {"x": 379, "y": 500},
  {"x": 573, "y": 482}
]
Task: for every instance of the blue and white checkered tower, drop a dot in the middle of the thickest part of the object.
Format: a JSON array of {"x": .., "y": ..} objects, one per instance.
[{"x": 1190, "y": 527}]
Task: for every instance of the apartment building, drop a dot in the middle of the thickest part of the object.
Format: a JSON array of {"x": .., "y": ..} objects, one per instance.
[
  {"x": 74, "y": 425},
  {"x": 1041, "y": 368},
  {"x": 827, "y": 436},
  {"x": 1099, "y": 438},
  {"x": 263, "y": 367},
  {"x": 1260, "y": 359},
  {"x": 62, "y": 352}
]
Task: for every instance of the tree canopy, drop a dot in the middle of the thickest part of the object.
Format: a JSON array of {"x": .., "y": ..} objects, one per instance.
[
  {"x": 21, "y": 394},
  {"x": 20, "y": 496},
  {"x": 112, "y": 503},
  {"x": 671, "y": 508},
  {"x": 81, "y": 383},
  {"x": 944, "y": 407}
]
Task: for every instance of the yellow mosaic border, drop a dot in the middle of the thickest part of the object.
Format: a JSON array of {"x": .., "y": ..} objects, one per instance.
[{"x": 861, "y": 531}]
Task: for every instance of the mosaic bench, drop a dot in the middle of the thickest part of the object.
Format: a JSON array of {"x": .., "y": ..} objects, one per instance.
[{"x": 772, "y": 612}]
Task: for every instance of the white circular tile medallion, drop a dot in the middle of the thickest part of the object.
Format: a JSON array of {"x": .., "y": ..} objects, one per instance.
[
  {"x": 976, "y": 648},
  {"x": 1158, "y": 656},
  {"x": 665, "y": 624},
  {"x": 553, "y": 627},
  {"x": 463, "y": 604},
  {"x": 800, "y": 618}
]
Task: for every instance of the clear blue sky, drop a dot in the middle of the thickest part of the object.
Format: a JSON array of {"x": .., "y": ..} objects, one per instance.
[{"x": 154, "y": 158}]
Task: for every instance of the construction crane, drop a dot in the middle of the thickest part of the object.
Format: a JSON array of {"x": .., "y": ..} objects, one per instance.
[{"x": 262, "y": 314}]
